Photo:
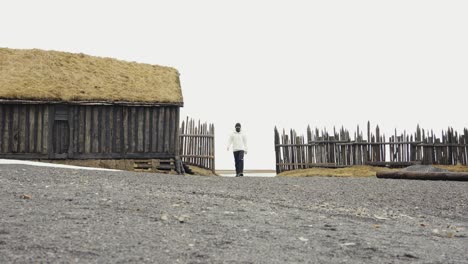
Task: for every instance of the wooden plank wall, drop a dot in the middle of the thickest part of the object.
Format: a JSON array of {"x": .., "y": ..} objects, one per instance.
[
  {"x": 197, "y": 144},
  {"x": 30, "y": 131},
  {"x": 337, "y": 149},
  {"x": 23, "y": 131},
  {"x": 124, "y": 132}
]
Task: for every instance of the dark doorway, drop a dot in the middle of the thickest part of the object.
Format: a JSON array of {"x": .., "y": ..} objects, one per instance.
[{"x": 61, "y": 133}]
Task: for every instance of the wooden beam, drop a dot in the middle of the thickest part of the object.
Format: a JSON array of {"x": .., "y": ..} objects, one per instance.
[{"x": 434, "y": 176}]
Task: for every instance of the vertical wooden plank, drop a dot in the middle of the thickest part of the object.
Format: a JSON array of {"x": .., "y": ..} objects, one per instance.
[
  {"x": 368, "y": 147},
  {"x": 125, "y": 130},
  {"x": 177, "y": 131},
  {"x": 195, "y": 143},
  {"x": 133, "y": 129},
  {"x": 77, "y": 126},
  {"x": 110, "y": 131},
  {"x": 200, "y": 131},
  {"x": 465, "y": 142},
  {"x": 205, "y": 144},
  {"x": 167, "y": 132},
  {"x": 151, "y": 129},
  {"x": 213, "y": 147},
  {"x": 154, "y": 129},
  {"x": 304, "y": 152},
  {"x": 192, "y": 141},
  {"x": 118, "y": 125},
  {"x": 117, "y": 140},
  {"x": 75, "y": 144},
  {"x": 293, "y": 149},
  {"x": 39, "y": 127},
  {"x": 289, "y": 150},
  {"x": 283, "y": 152},
  {"x": 147, "y": 127},
  {"x": 358, "y": 153},
  {"x": 72, "y": 131},
  {"x": 15, "y": 131},
  {"x": 113, "y": 112},
  {"x": 205, "y": 149},
  {"x": 200, "y": 143},
  {"x": 299, "y": 152},
  {"x": 104, "y": 131},
  {"x": 48, "y": 124},
  {"x": 181, "y": 139},
  {"x": 95, "y": 130},
  {"x": 101, "y": 130},
  {"x": 141, "y": 128},
  {"x": 8, "y": 129},
  {"x": 115, "y": 134},
  {"x": 173, "y": 131},
  {"x": 208, "y": 146},
  {"x": 26, "y": 126},
  {"x": 189, "y": 140},
  {"x": 2, "y": 127},
  {"x": 82, "y": 129},
  {"x": 186, "y": 139},
  {"x": 460, "y": 149},
  {"x": 161, "y": 124},
  {"x": 88, "y": 128},
  {"x": 55, "y": 139},
  {"x": 419, "y": 140},
  {"x": 449, "y": 148}
]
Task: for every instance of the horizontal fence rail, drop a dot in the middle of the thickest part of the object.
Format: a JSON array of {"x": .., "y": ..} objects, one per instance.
[
  {"x": 337, "y": 149},
  {"x": 197, "y": 145}
]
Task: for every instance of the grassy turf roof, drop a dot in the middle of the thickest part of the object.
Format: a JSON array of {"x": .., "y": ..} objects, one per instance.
[{"x": 61, "y": 76}]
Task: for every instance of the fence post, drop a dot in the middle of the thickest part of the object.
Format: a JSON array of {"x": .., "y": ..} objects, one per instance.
[
  {"x": 322, "y": 149},
  {"x": 277, "y": 151},
  {"x": 197, "y": 143}
]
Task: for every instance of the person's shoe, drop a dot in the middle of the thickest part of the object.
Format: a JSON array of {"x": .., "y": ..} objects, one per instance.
[
  {"x": 241, "y": 175},
  {"x": 237, "y": 175}
]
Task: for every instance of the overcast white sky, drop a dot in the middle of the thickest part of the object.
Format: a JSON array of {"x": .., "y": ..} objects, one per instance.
[{"x": 266, "y": 63}]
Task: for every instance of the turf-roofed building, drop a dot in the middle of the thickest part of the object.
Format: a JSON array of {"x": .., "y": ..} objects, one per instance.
[{"x": 57, "y": 105}]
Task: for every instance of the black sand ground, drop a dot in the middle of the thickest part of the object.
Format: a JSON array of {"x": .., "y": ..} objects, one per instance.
[{"x": 61, "y": 215}]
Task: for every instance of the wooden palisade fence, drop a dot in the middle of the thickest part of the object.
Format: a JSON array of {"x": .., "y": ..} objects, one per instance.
[
  {"x": 337, "y": 149},
  {"x": 197, "y": 146}
]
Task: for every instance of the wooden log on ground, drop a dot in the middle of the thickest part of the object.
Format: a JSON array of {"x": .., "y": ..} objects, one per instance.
[{"x": 433, "y": 176}]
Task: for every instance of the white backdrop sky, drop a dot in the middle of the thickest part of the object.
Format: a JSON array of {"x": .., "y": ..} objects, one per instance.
[{"x": 266, "y": 63}]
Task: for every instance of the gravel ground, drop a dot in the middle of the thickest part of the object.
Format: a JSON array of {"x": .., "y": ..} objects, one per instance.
[{"x": 62, "y": 215}]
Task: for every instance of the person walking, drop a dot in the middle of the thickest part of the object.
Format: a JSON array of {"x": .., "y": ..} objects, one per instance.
[{"x": 238, "y": 142}]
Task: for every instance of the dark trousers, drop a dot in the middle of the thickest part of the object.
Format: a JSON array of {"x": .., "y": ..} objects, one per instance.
[{"x": 239, "y": 160}]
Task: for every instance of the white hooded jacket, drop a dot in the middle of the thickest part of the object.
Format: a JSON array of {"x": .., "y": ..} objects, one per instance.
[{"x": 238, "y": 141}]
